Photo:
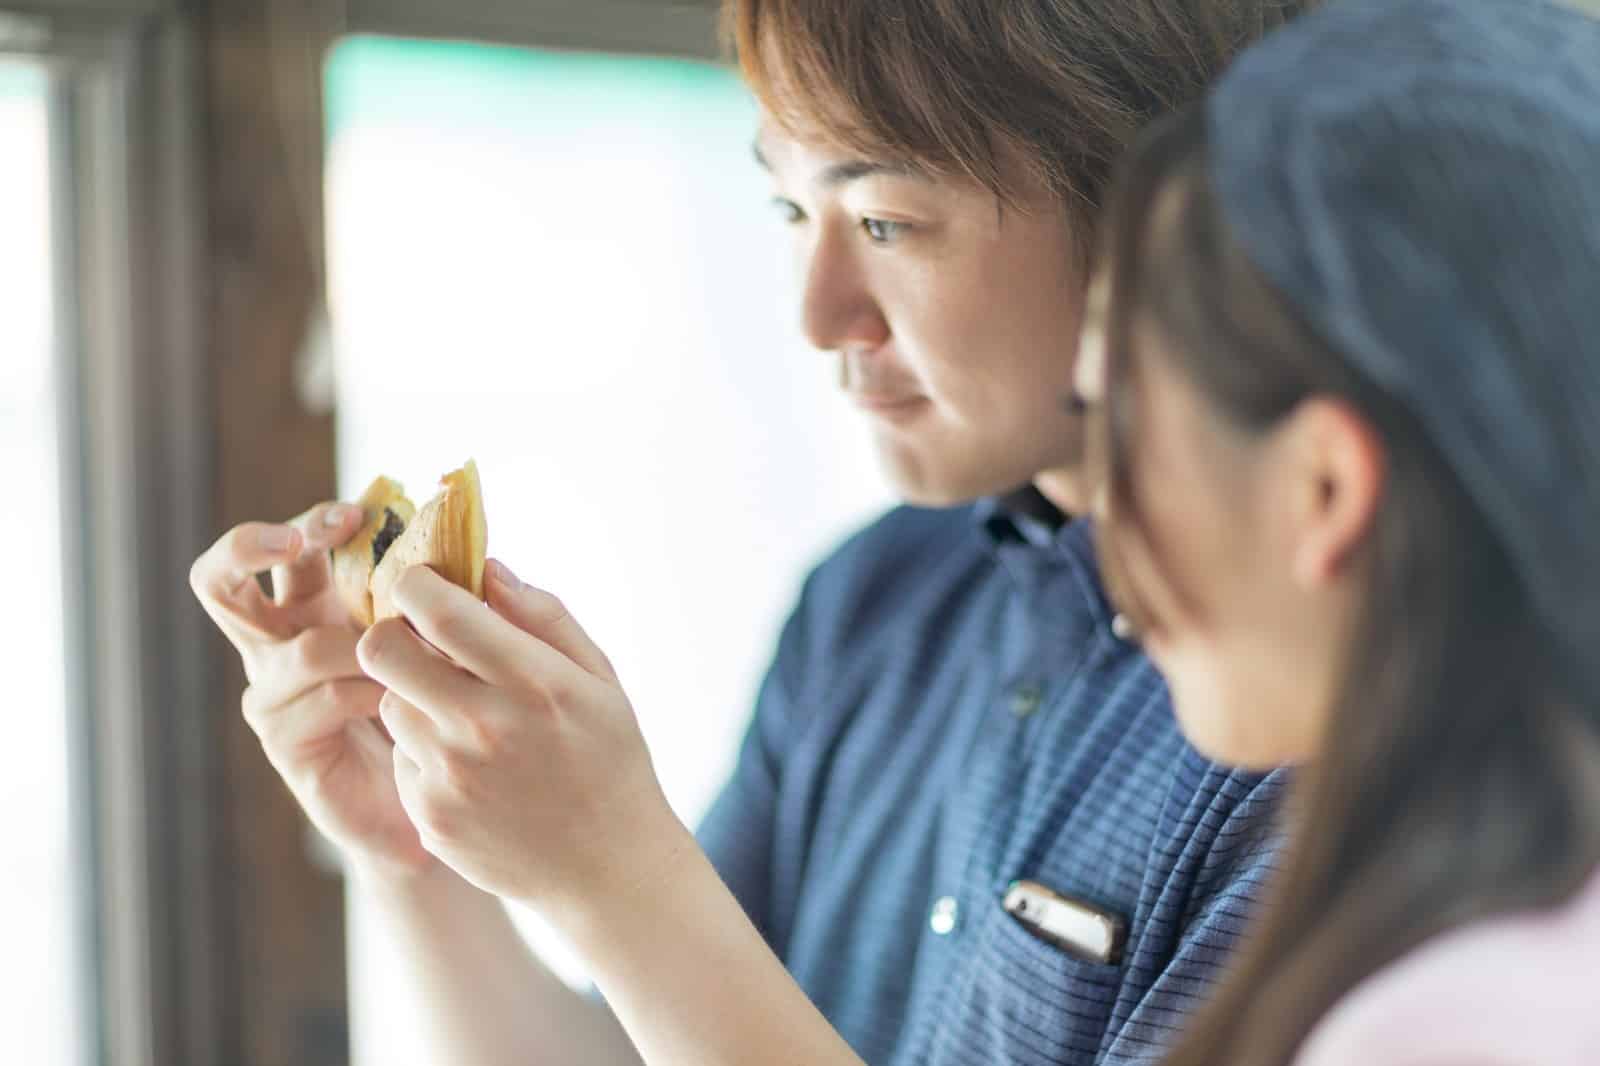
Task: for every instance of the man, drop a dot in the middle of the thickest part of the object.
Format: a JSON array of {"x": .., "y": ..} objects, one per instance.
[{"x": 952, "y": 710}]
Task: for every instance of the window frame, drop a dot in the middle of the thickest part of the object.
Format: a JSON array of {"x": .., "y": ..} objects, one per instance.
[
  {"x": 126, "y": 308},
  {"x": 674, "y": 28}
]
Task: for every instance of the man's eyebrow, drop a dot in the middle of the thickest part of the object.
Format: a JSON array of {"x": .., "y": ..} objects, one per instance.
[
  {"x": 844, "y": 173},
  {"x": 851, "y": 170}
]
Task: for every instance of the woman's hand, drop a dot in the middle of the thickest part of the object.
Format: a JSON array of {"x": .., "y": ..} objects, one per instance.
[{"x": 517, "y": 754}]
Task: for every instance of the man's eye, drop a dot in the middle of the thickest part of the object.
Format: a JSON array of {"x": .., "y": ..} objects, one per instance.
[
  {"x": 882, "y": 231},
  {"x": 788, "y": 210}
]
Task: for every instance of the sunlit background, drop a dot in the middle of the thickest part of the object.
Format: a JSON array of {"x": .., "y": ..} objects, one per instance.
[
  {"x": 38, "y": 934},
  {"x": 566, "y": 266}
]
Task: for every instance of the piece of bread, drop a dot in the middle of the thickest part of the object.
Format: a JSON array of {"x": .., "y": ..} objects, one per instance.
[
  {"x": 385, "y": 511},
  {"x": 448, "y": 534}
]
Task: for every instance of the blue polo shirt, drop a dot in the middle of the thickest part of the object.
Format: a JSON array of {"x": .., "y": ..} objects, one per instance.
[{"x": 949, "y": 711}]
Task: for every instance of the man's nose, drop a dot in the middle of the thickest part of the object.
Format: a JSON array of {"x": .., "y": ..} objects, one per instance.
[{"x": 838, "y": 309}]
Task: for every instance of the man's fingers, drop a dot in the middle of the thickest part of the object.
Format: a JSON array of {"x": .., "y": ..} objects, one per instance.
[
  {"x": 415, "y": 735},
  {"x": 310, "y": 716},
  {"x": 475, "y": 637},
  {"x": 399, "y": 660},
  {"x": 310, "y": 572},
  {"x": 408, "y": 786},
  {"x": 310, "y": 686},
  {"x": 224, "y": 579},
  {"x": 315, "y": 656},
  {"x": 542, "y": 615},
  {"x": 239, "y": 555}
]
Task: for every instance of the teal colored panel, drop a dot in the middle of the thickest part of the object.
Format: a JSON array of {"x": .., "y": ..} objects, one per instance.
[
  {"x": 383, "y": 80},
  {"x": 21, "y": 79}
]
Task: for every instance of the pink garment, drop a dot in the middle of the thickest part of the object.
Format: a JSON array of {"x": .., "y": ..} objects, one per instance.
[{"x": 1523, "y": 990}]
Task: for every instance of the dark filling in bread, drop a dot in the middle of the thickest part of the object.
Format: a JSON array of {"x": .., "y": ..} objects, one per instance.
[{"x": 393, "y": 526}]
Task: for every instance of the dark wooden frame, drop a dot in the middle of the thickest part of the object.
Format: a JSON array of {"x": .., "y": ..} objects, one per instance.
[
  {"x": 685, "y": 28},
  {"x": 187, "y": 272},
  {"x": 128, "y": 319}
]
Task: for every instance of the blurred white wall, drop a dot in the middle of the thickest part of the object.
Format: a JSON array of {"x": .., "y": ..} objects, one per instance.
[
  {"x": 40, "y": 1019},
  {"x": 567, "y": 268}
]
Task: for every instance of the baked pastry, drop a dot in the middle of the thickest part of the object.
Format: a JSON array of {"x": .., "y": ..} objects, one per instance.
[{"x": 448, "y": 534}]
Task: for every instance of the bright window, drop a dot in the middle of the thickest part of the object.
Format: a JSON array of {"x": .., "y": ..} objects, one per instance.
[
  {"x": 40, "y": 1017},
  {"x": 566, "y": 267}
]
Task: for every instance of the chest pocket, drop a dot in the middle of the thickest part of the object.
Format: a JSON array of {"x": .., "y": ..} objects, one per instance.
[{"x": 1018, "y": 998}]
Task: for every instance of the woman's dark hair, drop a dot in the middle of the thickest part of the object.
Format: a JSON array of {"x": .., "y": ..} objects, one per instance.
[{"x": 1458, "y": 778}]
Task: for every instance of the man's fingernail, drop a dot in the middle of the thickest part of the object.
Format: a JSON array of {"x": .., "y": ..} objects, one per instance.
[
  {"x": 277, "y": 538},
  {"x": 338, "y": 514}
]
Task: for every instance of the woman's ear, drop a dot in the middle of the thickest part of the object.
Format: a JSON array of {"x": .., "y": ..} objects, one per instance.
[{"x": 1339, "y": 467}]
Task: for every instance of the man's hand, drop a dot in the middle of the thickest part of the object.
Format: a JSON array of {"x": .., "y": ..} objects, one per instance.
[
  {"x": 517, "y": 754},
  {"x": 308, "y": 700}
]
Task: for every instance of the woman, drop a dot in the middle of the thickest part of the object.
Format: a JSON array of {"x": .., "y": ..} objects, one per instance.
[{"x": 1346, "y": 343}]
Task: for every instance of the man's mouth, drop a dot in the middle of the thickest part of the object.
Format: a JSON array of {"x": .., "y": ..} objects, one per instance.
[
  {"x": 891, "y": 406},
  {"x": 875, "y": 388}
]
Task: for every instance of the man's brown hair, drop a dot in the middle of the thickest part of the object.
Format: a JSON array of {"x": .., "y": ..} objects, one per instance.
[{"x": 945, "y": 85}]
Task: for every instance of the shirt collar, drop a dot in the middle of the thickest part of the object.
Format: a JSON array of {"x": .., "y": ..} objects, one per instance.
[
  {"x": 1034, "y": 540},
  {"x": 1022, "y": 514}
]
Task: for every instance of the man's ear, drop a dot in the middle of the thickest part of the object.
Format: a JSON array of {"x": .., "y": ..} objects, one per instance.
[
  {"x": 1338, "y": 466},
  {"x": 1089, "y": 371}
]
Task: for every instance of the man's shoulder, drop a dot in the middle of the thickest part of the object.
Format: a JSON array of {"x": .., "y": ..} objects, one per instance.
[
  {"x": 1226, "y": 819},
  {"x": 900, "y": 540},
  {"x": 905, "y": 556}
]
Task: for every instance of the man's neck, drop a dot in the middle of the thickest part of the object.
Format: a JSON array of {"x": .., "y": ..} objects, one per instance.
[{"x": 1066, "y": 488}]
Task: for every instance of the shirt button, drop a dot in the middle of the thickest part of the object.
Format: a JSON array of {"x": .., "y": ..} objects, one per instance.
[
  {"x": 1122, "y": 627},
  {"x": 1026, "y": 700},
  {"x": 943, "y": 918}
]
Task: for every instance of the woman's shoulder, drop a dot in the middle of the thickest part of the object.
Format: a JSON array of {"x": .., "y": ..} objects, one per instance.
[{"x": 1520, "y": 990}]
